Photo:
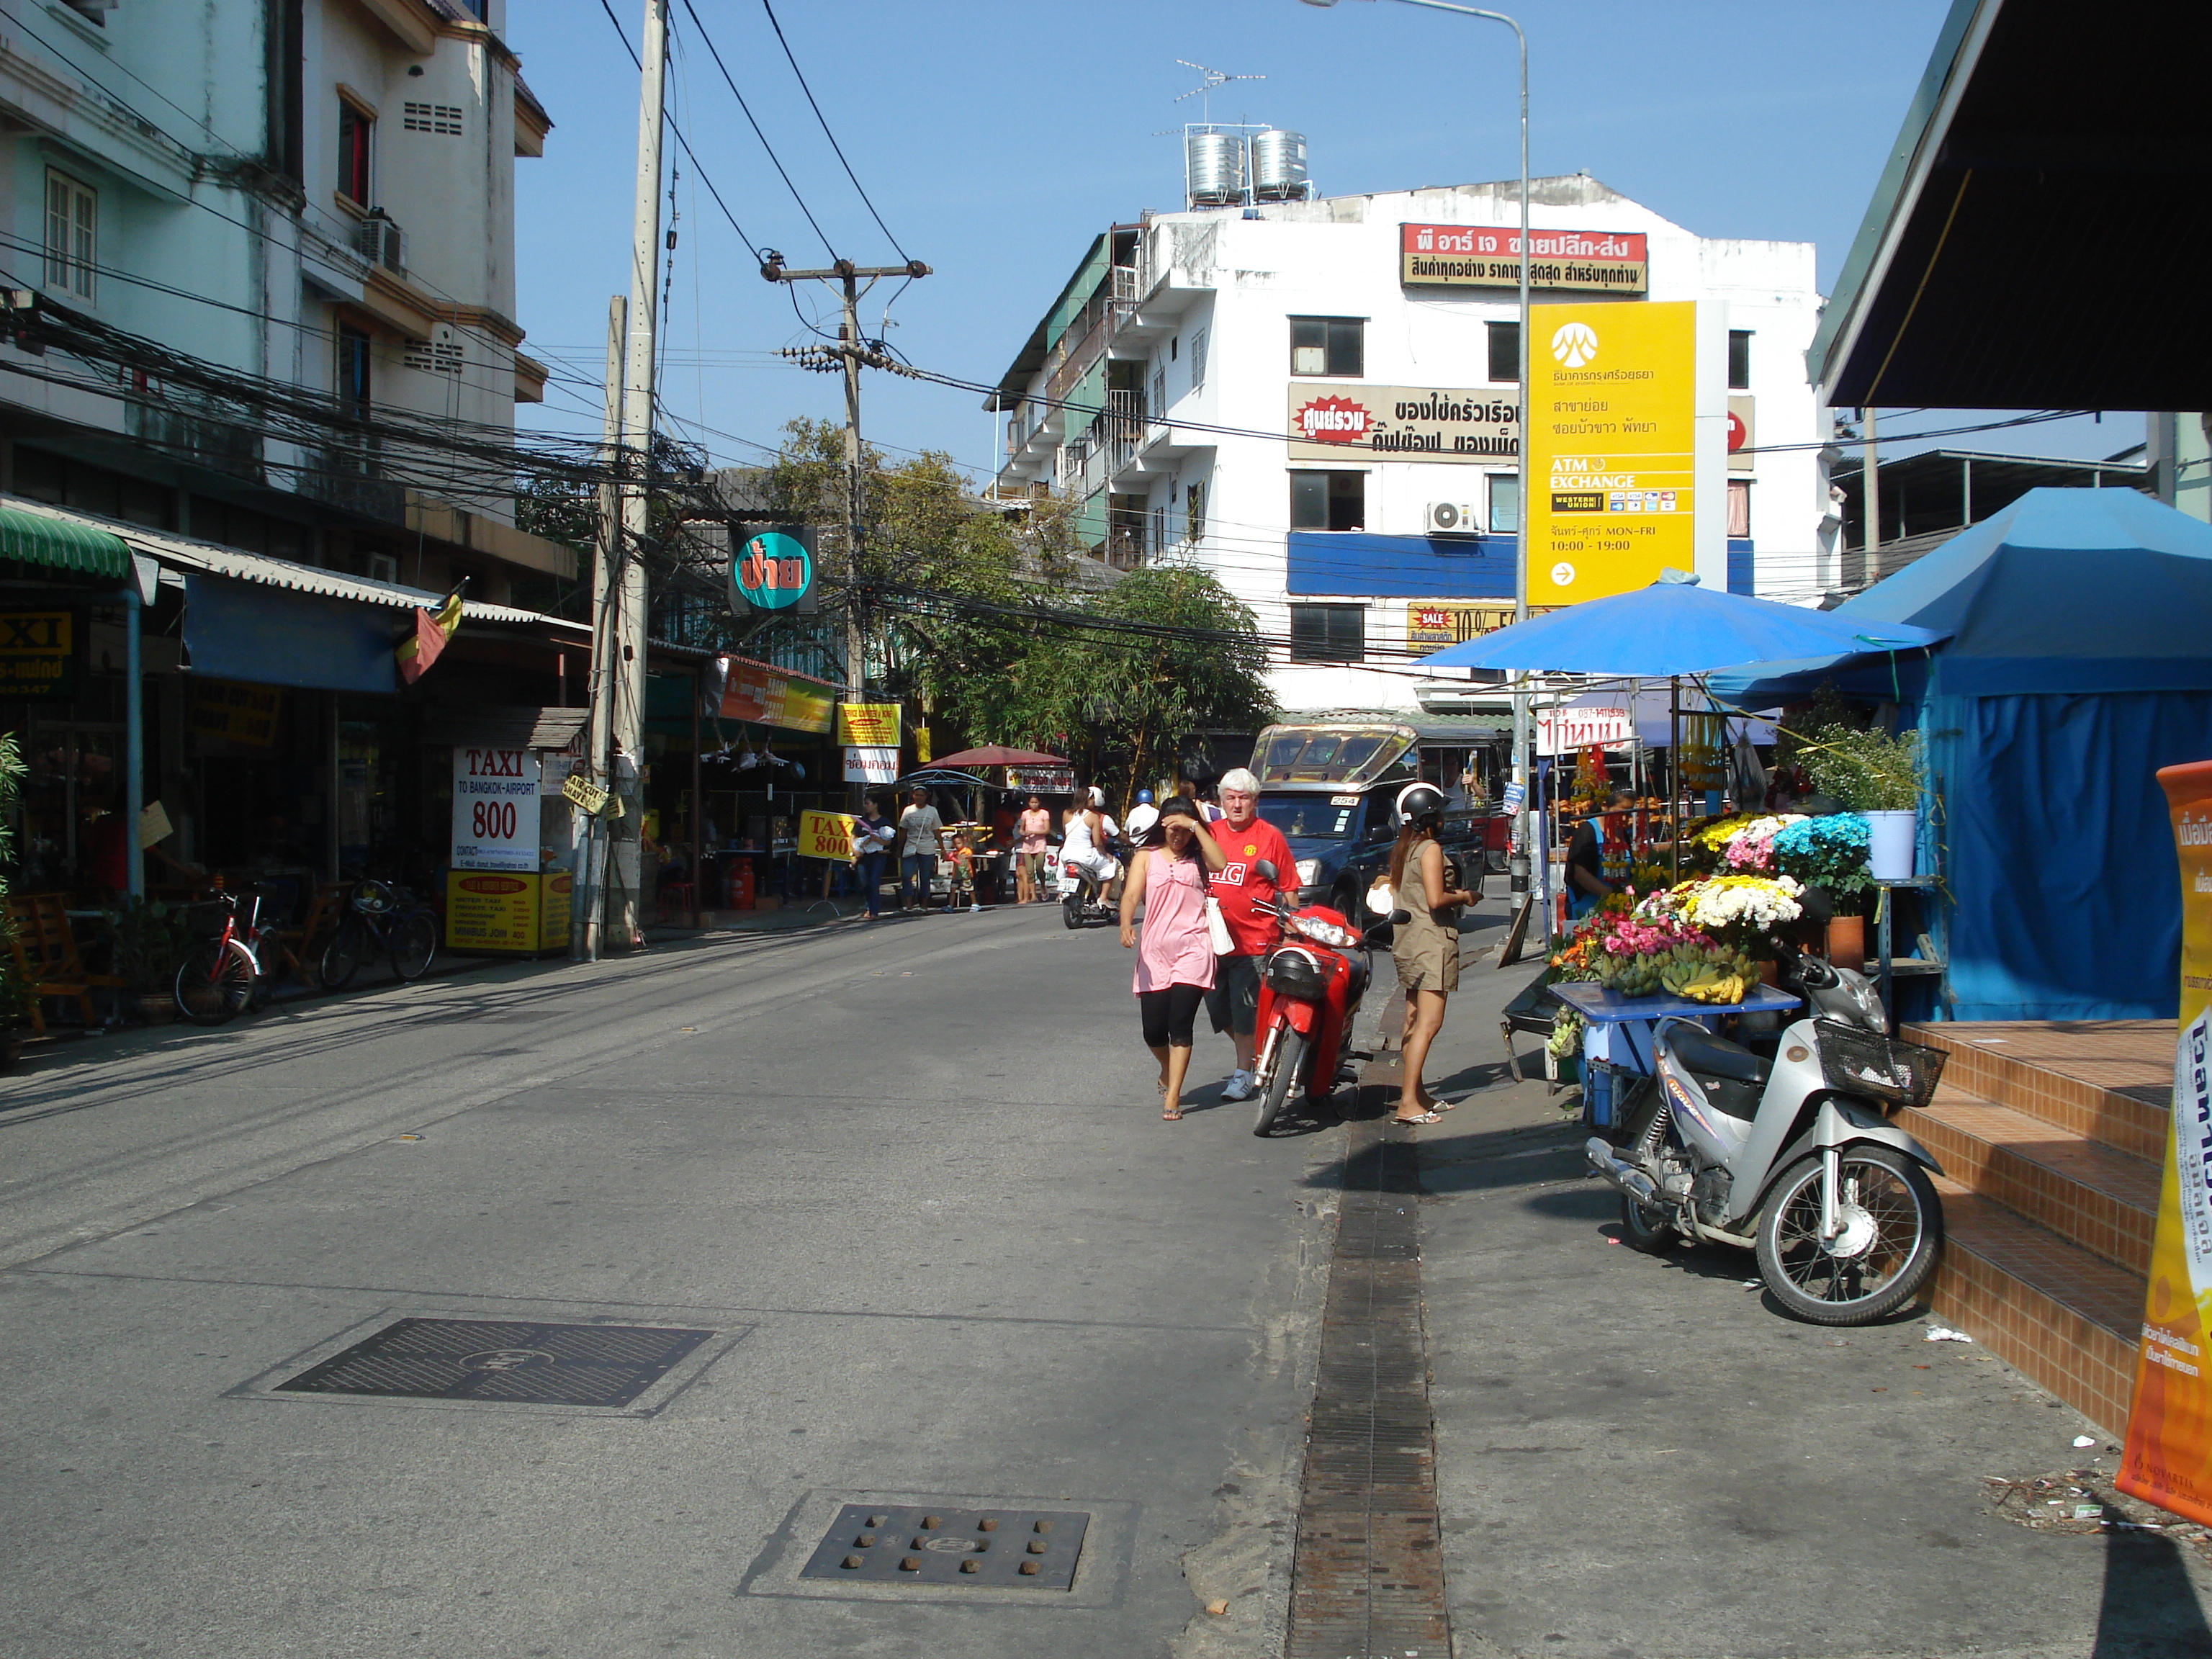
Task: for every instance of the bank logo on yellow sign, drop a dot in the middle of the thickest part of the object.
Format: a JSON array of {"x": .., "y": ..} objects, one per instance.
[{"x": 1611, "y": 419}]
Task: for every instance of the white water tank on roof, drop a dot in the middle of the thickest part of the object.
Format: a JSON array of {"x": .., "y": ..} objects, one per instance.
[
  {"x": 1213, "y": 162},
  {"x": 1278, "y": 165}
]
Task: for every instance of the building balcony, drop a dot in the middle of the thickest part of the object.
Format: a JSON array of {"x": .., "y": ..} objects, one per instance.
[{"x": 1160, "y": 446}]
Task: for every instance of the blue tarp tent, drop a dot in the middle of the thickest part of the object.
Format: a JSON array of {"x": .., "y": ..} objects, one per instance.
[{"x": 2079, "y": 663}]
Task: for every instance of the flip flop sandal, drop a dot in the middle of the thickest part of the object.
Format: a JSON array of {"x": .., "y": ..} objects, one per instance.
[
  {"x": 1171, "y": 1117},
  {"x": 1425, "y": 1117}
]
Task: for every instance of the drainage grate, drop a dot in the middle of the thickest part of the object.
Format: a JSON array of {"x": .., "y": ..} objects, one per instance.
[
  {"x": 983, "y": 1549},
  {"x": 483, "y": 1359}
]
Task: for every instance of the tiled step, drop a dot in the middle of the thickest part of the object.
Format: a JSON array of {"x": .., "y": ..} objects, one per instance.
[
  {"x": 2105, "y": 1201},
  {"x": 2064, "y": 1317},
  {"x": 2103, "y": 1080}
]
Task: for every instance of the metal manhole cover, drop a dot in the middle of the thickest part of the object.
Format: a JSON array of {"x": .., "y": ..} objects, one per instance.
[
  {"x": 985, "y": 1549},
  {"x": 483, "y": 1359}
]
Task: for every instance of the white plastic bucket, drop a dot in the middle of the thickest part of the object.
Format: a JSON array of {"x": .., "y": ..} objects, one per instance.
[{"x": 1891, "y": 839}]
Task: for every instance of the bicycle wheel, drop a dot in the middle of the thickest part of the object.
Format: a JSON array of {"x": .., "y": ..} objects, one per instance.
[
  {"x": 215, "y": 981},
  {"x": 342, "y": 956},
  {"x": 413, "y": 942}
]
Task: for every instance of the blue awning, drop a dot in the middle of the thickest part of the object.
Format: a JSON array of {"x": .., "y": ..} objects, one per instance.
[{"x": 273, "y": 636}]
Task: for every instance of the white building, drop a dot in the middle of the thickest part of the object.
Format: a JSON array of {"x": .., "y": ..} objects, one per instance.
[{"x": 1201, "y": 334}]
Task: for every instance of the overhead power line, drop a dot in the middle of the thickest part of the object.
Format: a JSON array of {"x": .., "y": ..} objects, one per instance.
[
  {"x": 826, "y": 133},
  {"x": 775, "y": 160}
]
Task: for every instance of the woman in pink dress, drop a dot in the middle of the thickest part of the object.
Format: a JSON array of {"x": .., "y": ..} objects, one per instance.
[{"x": 1174, "y": 964}]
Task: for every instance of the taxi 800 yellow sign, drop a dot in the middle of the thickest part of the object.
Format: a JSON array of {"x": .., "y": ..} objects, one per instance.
[{"x": 1612, "y": 402}]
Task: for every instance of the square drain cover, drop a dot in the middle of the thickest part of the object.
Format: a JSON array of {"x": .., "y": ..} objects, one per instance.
[
  {"x": 499, "y": 1360},
  {"x": 985, "y": 1549}
]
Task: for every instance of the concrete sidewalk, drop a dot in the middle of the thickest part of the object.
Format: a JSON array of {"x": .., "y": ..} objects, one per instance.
[{"x": 1643, "y": 1456}]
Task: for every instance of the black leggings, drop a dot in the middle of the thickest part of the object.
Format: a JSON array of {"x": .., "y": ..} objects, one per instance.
[{"x": 1169, "y": 1015}]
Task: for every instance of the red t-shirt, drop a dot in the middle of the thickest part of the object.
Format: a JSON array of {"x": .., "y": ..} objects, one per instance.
[{"x": 1240, "y": 889}]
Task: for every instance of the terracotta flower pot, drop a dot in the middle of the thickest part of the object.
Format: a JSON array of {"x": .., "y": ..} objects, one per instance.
[
  {"x": 1847, "y": 941},
  {"x": 1769, "y": 973}
]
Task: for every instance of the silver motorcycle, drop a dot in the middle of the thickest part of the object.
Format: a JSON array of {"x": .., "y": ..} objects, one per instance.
[{"x": 1793, "y": 1157}]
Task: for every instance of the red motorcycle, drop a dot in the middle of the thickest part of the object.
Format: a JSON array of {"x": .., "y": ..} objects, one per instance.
[{"x": 1310, "y": 990}]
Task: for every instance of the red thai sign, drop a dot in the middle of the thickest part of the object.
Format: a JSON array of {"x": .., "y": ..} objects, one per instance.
[{"x": 1489, "y": 256}]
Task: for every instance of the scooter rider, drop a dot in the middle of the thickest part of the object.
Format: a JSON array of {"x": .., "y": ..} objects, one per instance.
[
  {"x": 1084, "y": 836},
  {"x": 1247, "y": 900}
]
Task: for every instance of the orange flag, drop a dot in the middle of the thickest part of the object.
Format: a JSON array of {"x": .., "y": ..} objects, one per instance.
[{"x": 422, "y": 647}]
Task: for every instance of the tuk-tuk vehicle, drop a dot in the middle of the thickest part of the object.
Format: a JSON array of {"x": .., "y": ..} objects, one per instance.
[{"x": 1331, "y": 786}]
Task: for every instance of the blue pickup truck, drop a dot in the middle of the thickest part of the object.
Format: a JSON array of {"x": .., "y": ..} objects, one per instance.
[{"x": 1330, "y": 786}]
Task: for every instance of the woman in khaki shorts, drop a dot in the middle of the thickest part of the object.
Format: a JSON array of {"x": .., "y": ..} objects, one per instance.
[{"x": 1425, "y": 946}]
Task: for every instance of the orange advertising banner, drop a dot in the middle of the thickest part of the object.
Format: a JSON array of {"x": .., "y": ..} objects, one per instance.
[{"x": 2168, "y": 1461}]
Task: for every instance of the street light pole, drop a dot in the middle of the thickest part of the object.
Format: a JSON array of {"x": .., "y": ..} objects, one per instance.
[{"x": 1523, "y": 763}]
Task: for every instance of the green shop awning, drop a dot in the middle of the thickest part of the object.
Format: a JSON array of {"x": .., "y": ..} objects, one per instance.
[{"x": 33, "y": 538}]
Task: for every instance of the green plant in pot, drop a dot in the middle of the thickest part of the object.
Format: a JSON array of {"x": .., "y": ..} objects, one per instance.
[
  {"x": 150, "y": 942},
  {"x": 1879, "y": 775}
]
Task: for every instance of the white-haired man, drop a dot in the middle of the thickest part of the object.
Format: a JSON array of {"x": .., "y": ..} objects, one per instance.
[{"x": 1246, "y": 840}]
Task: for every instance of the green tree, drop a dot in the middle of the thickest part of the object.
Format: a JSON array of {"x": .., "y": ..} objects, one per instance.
[{"x": 1166, "y": 653}]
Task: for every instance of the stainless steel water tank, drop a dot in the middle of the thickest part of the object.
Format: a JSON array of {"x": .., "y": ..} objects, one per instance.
[
  {"x": 1215, "y": 163},
  {"x": 1278, "y": 165}
]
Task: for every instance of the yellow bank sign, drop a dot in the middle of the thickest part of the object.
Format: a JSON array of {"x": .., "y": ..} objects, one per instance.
[{"x": 1611, "y": 415}]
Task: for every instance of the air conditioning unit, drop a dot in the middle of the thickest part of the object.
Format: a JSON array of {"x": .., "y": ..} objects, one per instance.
[
  {"x": 1452, "y": 518},
  {"x": 381, "y": 242}
]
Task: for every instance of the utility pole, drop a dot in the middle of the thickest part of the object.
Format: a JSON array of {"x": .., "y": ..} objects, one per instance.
[
  {"x": 1870, "y": 512},
  {"x": 625, "y": 773},
  {"x": 588, "y": 904},
  {"x": 852, "y": 355}
]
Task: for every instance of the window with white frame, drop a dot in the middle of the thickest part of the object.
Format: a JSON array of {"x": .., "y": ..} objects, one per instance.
[
  {"x": 1193, "y": 511},
  {"x": 1197, "y": 359},
  {"x": 72, "y": 235}
]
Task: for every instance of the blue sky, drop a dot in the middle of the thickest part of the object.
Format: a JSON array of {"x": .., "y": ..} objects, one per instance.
[{"x": 997, "y": 139}]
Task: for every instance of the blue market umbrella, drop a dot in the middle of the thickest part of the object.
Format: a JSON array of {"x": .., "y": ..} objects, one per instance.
[{"x": 1672, "y": 629}]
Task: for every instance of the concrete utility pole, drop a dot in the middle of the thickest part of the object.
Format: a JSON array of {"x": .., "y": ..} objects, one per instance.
[
  {"x": 1870, "y": 514},
  {"x": 853, "y": 355},
  {"x": 587, "y": 900},
  {"x": 625, "y": 773}
]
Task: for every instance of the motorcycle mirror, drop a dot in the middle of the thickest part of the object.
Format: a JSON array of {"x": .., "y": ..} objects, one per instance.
[
  {"x": 1265, "y": 870},
  {"x": 1400, "y": 917}
]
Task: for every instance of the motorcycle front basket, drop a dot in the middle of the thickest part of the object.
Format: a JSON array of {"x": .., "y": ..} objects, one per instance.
[
  {"x": 1300, "y": 974},
  {"x": 1863, "y": 1062}
]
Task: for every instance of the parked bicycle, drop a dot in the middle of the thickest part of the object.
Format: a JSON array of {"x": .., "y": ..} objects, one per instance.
[
  {"x": 380, "y": 916},
  {"x": 237, "y": 962}
]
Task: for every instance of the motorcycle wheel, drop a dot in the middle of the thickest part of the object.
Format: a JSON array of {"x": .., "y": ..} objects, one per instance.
[
  {"x": 413, "y": 942},
  {"x": 1893, "y": 1227},
  {"x": 1289, "y": 1048},
  {"x": 1071, "y": 911},
  {"x": 342, "y": 956},
  {"x": 214, "y": 983},
  {"x": 1642, "y": 1230}
]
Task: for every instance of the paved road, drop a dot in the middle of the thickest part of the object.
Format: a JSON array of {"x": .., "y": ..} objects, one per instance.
[{"x": 912, "y": 1179}]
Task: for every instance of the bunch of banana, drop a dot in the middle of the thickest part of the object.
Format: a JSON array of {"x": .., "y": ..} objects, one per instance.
[{"x": 1703, "y": 974}]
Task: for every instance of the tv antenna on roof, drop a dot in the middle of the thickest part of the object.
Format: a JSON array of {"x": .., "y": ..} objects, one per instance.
[{"x": 1210, "y": 78}]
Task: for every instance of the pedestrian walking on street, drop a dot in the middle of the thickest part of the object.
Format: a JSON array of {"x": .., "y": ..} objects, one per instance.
[
  {"x": 875, "y": 839},
  {"x": 1246, "y": 898},
  {"x": 920, "y": 827},
  {"x": 1034, "y": 825},
  {"x": 1425, "y": 946},
  {"x": 1176, "y": 964}
]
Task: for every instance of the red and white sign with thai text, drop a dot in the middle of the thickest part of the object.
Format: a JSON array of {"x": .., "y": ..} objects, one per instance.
[
  {"x": 1489, "y": 256},
  {"x": 1561, "y": 731}
]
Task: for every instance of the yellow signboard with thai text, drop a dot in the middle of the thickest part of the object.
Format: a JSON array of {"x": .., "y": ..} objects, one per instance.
[
  {"x": 1612, "y": 408},
  {"x": 868, "y": 725},
  {"x": 2168, "y": 1460}
]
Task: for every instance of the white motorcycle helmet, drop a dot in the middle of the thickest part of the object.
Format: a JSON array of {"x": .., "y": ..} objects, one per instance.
[{"x": 1417, "y": 801}]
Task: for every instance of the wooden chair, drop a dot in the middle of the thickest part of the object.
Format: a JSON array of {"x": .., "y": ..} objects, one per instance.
[
  {"x": 46, "y": 953},
  {"x": 323, "y": 914}
]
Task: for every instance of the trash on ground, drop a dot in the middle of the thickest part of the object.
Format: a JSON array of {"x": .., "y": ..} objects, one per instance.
[
  {"x": 1945, "y": 1334},
  {"x": 1217, "y": 1608},
  {"x": 2085, "y": 1440}
]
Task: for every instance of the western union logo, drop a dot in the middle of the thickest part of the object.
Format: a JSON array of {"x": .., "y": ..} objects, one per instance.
[{"x": 1578, "y": 501}]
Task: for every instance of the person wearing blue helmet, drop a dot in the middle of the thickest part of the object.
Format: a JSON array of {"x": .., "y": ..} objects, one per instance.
[{"x": 1143, "y": 828}]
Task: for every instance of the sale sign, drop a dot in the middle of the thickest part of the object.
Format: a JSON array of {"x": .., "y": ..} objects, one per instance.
[
  {"x": 1407, "y": 423},
  {"x": 495, "y": 809},
  {"x": 2168, "y": 1460}
]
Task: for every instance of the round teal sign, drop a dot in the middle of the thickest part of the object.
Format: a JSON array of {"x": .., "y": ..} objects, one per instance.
[{"x": 772, "y": 572}]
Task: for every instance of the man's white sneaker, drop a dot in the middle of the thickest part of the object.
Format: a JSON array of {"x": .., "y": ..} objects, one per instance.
[{"x": 1239, "y": 1086}]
